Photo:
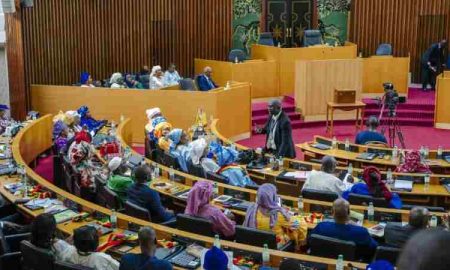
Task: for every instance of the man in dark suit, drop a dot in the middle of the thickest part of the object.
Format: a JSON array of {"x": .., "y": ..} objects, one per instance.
[
  {"x": 205, "y": 81},
  {"x": 279, "y": 132},
  {"x": 433, "y": 62},
  {"x": 396, "y": 235}
]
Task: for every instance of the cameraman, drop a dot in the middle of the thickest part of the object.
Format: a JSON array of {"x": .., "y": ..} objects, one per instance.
[
  {"x": 371, "y": 134},
  {"x": 433, "y": 62}
]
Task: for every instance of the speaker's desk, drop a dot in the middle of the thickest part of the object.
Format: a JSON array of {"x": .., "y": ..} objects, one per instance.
[
  {"x": 442, "y": 109},
  {"x": 180, "y": 107},
  {"x": 286, "y": 58},
  {"x": 261, "y": 74}
]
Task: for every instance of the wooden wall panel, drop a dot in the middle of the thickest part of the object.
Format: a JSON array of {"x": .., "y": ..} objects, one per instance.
[
  {"x": 63, "y": 38},
  {"x": 409, "y": 25}
]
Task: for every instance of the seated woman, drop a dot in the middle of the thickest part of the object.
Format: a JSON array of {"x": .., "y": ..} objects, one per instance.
[
  {"x": 132, "y": 83},
  {"x": 267, "y": 215},
  {"x": 413, "y": 164},
  {"x": 179, "y": 147},
  {"x": 80, "y": 154},
  {"x": 72, "y": 120},
  {"x": 198, "y": 205},
  {"x": 154, "y": 117},
  {"x": 161, "y": 133},
  {"x": 375, "y": 187},
  {"x": 156, "y": 78},
  {"x": 84, "y": 252},
  {"x": 226, "y": 158},
  {"x": 86, "y": 80},
  {"x": 116, "y": 81},
  {"x": 86, "y": 119},
  {"x": 198, "y": 156},
  {"x": 118, "y": 182},
  {"x": 60, "y": 134}
]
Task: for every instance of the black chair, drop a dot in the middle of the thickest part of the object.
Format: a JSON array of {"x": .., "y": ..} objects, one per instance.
[
  {"x": 137, "y": 211},
  {"x": 187, "y": 84},
  {"x": 255, "y": 237},
  {"x": 171, "y": 161},
  {"x": 389, "y": 254},
  {"x": 196, "y": 170},
  {"x": 216, "y": 177},
  {"x": 13, "y": 242},
  {"x": 195, "y": 225},
  {"x": 11, "y": 261},
  {"x": 236, "y": 53},
  {"x": 68, "y": 266},
  {"x": 357, "y": 199},
  {"x": 266, "y": 38},
  {"x": 328, "y": 247},
  {"x": 319, "y": 195},
  {"x": 300, "y": 167},
  {"x": 58, "y": 172},
  {"x": 35, "y": 258},
  {"x": 112, "y": 200},
  {"x": 430, "y": 208}
]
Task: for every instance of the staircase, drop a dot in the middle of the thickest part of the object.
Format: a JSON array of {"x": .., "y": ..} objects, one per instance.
[{"x": 260, "y": 113}]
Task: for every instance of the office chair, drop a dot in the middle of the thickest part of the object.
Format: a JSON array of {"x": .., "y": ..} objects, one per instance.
[
  {"x": 384, "y": 49},
  {"x": 319, "y": 195},
  {"x": 357, "y": 199},
  {"x": 328, "y": 247},
  {"x": 389, "y": 254},
  {"x": 187, "y": 84},
  {"x": 13, "y": 242},
  {"x": 195, "y": 225},
  {"x": 266, "y": 39},
  {"x": 196, "y": 170},
  {"x": 258, "y": 238},
  {"x": 69, "y": 266},
  {"x": 11, "y": 260},
  {"x": 216, "y": 177},
  {"x": 137, "y": 211},
  {"x": 112, "y": 200},
  {"x": 35, "y": 258},
  {"x": 311, "y": 38},
  {"x": 236, "y": 53}
]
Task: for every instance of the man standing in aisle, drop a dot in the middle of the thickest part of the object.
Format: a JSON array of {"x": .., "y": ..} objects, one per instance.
[
  {"x": 433, "y": 62},
  {"x": 278, "y": 132}
]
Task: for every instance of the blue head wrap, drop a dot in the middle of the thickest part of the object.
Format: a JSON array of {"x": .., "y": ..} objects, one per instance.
[
  {"x": 215, "y": 259},
  {"x": 380, "y": 265},
  {"x": 82, "y": 111},
  {"x": 224, "y": 155},
  {"x": 84, "y": 77},
  {"x": 175, "y": 137},
  {"x": 58, "y": 127},
  {"x": 3, "y": 107},
  {"x": 158, "y": 120}
]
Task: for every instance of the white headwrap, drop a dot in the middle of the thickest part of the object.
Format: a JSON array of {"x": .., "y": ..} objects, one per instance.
[
  {"x": 114, "y": 163},
  {"x": 152, "y": 112},
  {"x": 197, "y": 148},
  {"x": 154, "y": 70},
  {"x": 116, "y": 76}
]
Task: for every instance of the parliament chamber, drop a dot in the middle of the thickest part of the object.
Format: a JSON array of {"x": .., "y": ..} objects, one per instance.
[{"x": 225, "y": 135}]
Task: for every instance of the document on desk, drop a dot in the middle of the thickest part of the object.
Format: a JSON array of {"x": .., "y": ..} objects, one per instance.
[
  {"x": 403, "y": 185},
  {"x": 297, "y": 174}
]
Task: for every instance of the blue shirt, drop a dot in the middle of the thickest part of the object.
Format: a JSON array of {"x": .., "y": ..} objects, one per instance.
[
  {"x": 142, "y": 195},
  {"x": 369, "y": 136},
  {"x": 365, "y": 244},
  {"x": 142, "y": 262},
  {"x": 237, "y": 177},
  {"x": 363, "y": 189}
]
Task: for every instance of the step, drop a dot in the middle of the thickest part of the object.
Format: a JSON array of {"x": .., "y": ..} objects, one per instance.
[
  {"x": 262, "y": 119},
  {"x": 264, "y": 111},
  {"x": 402, "y": 113},
  {"x": 405, "y": 106}
]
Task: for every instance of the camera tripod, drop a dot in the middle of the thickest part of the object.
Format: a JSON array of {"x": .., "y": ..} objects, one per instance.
[{"x": 390, "y": 123}]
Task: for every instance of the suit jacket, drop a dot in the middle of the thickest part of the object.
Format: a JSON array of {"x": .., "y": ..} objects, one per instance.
[
  {"x": 283, "y": 136},
  {"x": 203, "y": 84},
  {"x": 396, "y": 235}
]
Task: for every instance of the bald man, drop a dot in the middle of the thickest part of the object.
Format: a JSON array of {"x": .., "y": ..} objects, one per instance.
[
  {"x": 342, "y": 229},
  {"x": 278, "y": 132},
  {"x": 147, "y": 259},
  {"x": 396, "y": 235},
  {"x": 205, "y": 81},
  {"x": 325, "y": 180}
]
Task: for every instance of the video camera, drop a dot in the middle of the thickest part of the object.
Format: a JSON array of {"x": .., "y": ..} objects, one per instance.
[{"x": 391, "y": 98}]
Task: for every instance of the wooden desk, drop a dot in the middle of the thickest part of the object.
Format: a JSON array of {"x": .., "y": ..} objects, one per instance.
[
  {"x": 261, "y": 74},
  {"x": 358, "y": 106},
  {"x": 442, "y": 112}
]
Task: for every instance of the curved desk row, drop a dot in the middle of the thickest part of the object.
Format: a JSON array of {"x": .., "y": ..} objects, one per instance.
[{"x": 26, "y": 147}]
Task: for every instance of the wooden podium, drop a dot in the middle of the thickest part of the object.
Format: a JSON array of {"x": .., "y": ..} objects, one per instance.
[
  {"x": 442, "y": 113},
  {"x": 316, "y": 81}
]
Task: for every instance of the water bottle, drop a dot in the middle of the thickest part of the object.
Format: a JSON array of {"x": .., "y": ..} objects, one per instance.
[
  {"x": 279, "y": 44},
  {"x": 216, "y": 188},
  {"x": 347, "y": 145},
  {"x": 426, "y": 181},
  {"x": 236, "y": 60},
  {"x": 439, "y": 152},
  {"x": 340, "y": 262},
  {"x": 113, "y": 129},
  {"x": 422, "y": 152},
  {"x": 433, "y": 222},
  {"x": 217, "y": 241},
  {"x": 280, "y": 163},
  {"x": 122, "y": 118},
  {"x": 171, "y": 174},
  {"x": 389, "y": 177},
  {"x": 265, "y": 256},
  {"x": 427, "y": 152},
  {"x": 334, "y": 143},
  {"x": 113, "y": 219},
  {"x": 371, "y": 212},
  {"x": 395, "y": 153},
  {"x": 300, "y": 205},
  {"x": 350, "y": 169}
]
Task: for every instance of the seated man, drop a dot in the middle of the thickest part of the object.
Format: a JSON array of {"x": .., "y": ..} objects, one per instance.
[
  {"x": 147, "y": 259},
  {"x": 204, "y": 81},
  {"x": 141, "y": 194},
  {"x": 117, "y": 181},
  {"x": 396, "y": 235},
  {"x": 171, "y": 76},
  {"x": 371, "y": 134},
  {"x": 342, "y": 229},
  {"x": 325, "y": 180}
]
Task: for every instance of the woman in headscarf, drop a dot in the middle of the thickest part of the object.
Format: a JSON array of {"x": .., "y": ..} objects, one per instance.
[
  {"x": 86, "y": 80},
  {"x": 161, "y": 133},
  {"x": 72, "y": 120},
  {"x": 87, "y": 120},
  {"x": 267, "y": 215},
  {"x": 413, "y": 164},
  {"x": 4, "y": 120},
  {"x": 80, "y": 153},
  {"x": 116, "y": 81},
  {"x": 179, "y": 147},
  {"x": 198, "y": 206},
  {"x": 374, "y": 186},
  {"x": 226, "y": 158},
  {"x": 198, "y": 156},
  {"x": 154, "y": 117},
  {"x": 156, "y": 78},
  {"x": 60, "y": 134}
]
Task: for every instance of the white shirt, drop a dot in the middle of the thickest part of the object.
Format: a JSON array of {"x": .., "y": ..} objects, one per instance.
[
  {"x": 96, "y": 260},
  {"x": 323, "y": 181},
  {"x": 156, "y": 83},
  {"x": 116, "y": 86},
  {"x": 271, "y": 139},
  {"x": 171, "y": 78},
  {"x": 209, "y": 165}
]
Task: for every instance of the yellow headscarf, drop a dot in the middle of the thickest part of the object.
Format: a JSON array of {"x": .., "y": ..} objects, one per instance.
[
  {"x": 61, "y": 116},
  {"x": 160, "y": 127}
]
